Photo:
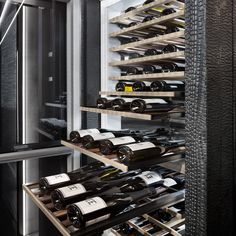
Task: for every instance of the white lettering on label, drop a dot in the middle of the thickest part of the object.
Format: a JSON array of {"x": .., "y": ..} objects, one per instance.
[
  {"x": 141, "y": 146},
  {"x": 150, "y": 177},
  {"x": 161, "y": 101},
  {"x": 122, "y": 140},
  {"x": 91, "y": 205},
  {"x": 84, "y": 132},
  {"x": 56, "y": 179},
  {"x": 72, "y": 190},
  {"x": 174, "y": 82}
]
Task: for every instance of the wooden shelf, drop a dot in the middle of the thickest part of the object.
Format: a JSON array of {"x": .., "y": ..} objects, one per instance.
[
  {"x": 176, "y": 38},
  {"x": 141, "y": 9},
  {"x": 145, "y": 116},
  {"x": 60, "y": 221},
  {"x": 180, "y": 75},
  {"x": 150, "y": 23},
  {"x": 113, "y": 161},
  {"x": 141, "y": 60},
  {"x": 143, "y": 94},
  {"x": 57, "y": 105}
]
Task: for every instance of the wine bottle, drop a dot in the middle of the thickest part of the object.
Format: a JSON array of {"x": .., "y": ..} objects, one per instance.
[
  {"x": 109, "y": 146},
  {"x": 162, "y": 216},
  {"x": 121, "y": 104},
  {"x": 157, "y": 11},
  {"x": 141, "y": 86},
  {"x": 173, "y": 48},
  {"x": 64, "y": 196},
  {"x": 93, "y": 140},
  {"x": 173, "y": 66},
  {"x": 129, "y": 9},
  {"x": 174, "y": 29},
  {"x": 133, "y": 71},
  {"x": 131, "y": 55},
  {"x": 127, "y": 229},
  {"x": 168, "y": 11},
  {"x": 47, "y": 184},
  {"x": 148, "y": 18},
  {"x": 152, "y": 52},
  {"x": 125, "y": 40},
  {"x": 76, "y": 136},
  {"x": 149, "y": 69},
  {"x": 167, "y": 85},
  {"x": 103, "y": 103},
  {"x": 94, "y": 210},
  {"x": 151, "y": 105},
  {"x": 177, "y": 182},
  {"x": 157, "y": 33},
  {"x": 140, "y": 151},
  {"x": 124, "y": 86}
]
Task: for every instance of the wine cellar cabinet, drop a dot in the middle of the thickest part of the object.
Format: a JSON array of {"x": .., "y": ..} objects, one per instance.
[{"x": 208, "y": 130}]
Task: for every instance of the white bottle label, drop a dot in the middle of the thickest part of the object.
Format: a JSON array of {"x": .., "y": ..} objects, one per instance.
[
  {"x": 174, "y": 82},
  {"x": 140, "y": 146},
  {"x": 56, "y": 179},
  {"x": 161, "y": 101},
  {"x": 150, "y": 177},
  {"x": 72, "y": 190},
  {"x": 84, "y": 132},
  {"x": 91, "y": 205},
  {"x": 102, "y": 136},
  {"x": 168, "y": 182},
  {"x": 122, "y": 140}
]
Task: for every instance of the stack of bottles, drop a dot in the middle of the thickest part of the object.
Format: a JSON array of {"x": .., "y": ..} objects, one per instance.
[
  {"x": 129, "y": 145},
  {"x": 96, "y": 192}
]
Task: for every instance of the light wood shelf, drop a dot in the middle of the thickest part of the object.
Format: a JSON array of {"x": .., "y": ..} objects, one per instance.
[
  {"x": 176, "y": 38},
  {"x": 150, "y": 23},
  {"x": 141, "y": 9},
  {"x": 146, "y": 59},
  {"x": 143, "y": 116},
  {"x": 142, "y": 94},
  {"x": 180, "y": 75}
]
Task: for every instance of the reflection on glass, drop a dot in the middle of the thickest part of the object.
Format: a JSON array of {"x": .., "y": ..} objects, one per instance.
[{"x": 32, "y": 75}]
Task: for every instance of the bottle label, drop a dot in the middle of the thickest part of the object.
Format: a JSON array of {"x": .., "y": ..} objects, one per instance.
[
  {"x": 150, "y": 177},
  {"x": 161, "y": 101},
  {"x": 174, "y": 82},
  {"x": 141, "y": 146},
  {"x": 122, "y": 140},
  {"x": 84, "y": 132},
  {"x": 102, "y": 136},
  {"x": 72, "y": 190},
  {"x": 57, "y": 179},
  {"x": 91, "y": 205},
  {"x": 128, "y": 88},
  {"x": 168, "y": 182}
]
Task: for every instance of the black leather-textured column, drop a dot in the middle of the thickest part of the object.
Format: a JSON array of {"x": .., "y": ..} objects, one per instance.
[{"x": 210, "y": 117}]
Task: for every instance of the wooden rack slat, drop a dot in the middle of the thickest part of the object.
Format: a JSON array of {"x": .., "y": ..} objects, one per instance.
[
  {"x": 144, "y": 8},
  {"x": 144, "y": 116},
  {"x": 147, "y": 24},
  {"x": 175, "y": 37},
  {"x": 167, "y": 56},
  {"x": 142, "y": 94},
  {"x": 180, "y": 75}
]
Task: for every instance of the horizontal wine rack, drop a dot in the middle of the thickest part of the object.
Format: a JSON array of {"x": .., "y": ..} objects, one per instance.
[
  {"x": 180, "y": 75},
  {"x": 150, "y": 23},
  {"x": 113, "y": 161},
  {"x": 60, "y": 221},
  {"x": 141, "y": 9},
  {"x": 142, "y": 94},
  {"x": 149, "y": 59},
  {"x": 176, "y": 38},
  {"x": 144, "y": 116}
]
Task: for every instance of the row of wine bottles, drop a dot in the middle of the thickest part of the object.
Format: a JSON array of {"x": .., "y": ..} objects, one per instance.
[
  {"x": 130, "y": 146},
  {"x": 155, "y": 86},
  {"x": 151, "y": 52},
  {"x": 150, "y": 69},
  {"x": 137, "y": 105},
  {"x": 96, "y": 192}
]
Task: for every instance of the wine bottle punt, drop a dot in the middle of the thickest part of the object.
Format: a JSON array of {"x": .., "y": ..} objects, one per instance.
[
  {"x": 149, "y": 69},
  {"x": 141, "y": 86},
  {"x": 134, "y": 71},
  {"x": 103, "y": 103},
  {"x": 121, "y": 104},
  {"x": 152, "y": 52},
  {"x": 168, "y": 11},
  {"x": 173, "y": 48},
  {"x": 94, "y": 210},
  {"x": 173, "y": 66}
]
